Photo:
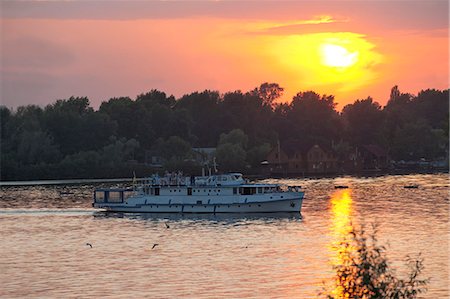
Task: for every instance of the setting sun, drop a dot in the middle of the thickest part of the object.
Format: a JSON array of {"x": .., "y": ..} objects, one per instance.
[
  {"x": 337, "y": 56},
  {"x": 337, "y": 61}
]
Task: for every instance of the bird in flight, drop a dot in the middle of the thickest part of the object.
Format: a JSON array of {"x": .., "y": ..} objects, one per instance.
[
  {"x": 154, "y": 245},
  {"x": 89, "y": 244}
]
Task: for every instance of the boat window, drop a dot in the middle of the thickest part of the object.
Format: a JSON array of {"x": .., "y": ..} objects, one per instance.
[
  {"x": 156, "y": 191},
  {"x": 248, "y": 191},
  {"x": 260, "y": 190},
  {"x": 114, "y": 196},
  {"x": 189, "y": 191},
  {"x": 234, "y": 190},
  {"x": 99, "y": 196}
]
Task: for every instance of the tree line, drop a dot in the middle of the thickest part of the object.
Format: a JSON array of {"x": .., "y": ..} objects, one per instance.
[{"x": 69, "y": 139}]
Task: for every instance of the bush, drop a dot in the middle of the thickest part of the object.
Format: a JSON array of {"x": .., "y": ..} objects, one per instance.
[{"x": 364, "y": 272}]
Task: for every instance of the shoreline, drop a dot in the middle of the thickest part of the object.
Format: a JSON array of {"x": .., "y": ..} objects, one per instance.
[{"x": 250, "y": 176}]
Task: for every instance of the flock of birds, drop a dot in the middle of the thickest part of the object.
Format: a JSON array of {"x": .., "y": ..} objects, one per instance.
[{"x": 153, "y": 247}]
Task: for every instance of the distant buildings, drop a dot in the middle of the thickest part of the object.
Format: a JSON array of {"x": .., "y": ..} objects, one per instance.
[{"x": 315, "y": 158}]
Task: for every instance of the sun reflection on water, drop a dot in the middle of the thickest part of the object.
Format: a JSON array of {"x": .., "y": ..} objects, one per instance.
[
  {"x": 341, "y": 226},
  {"x": 341, "y": 210}
]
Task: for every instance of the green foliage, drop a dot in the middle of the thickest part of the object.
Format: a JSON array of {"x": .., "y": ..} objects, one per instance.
[
  {"x": 204, "y": 110},
  {"x": 186, "y": 166},
  {"x": 363, "y": 121},
  {"x": 36, "y": 147},
  {"x": 314, "y": 117},
  {"x": 230, "y": 151},
  {"x": 230, "y": 157},
  {"x": 257, "y": 154},
  {"x": 236, "y": 137},
  {"x": 174, "y": 147},
  {"x": 364, "y": 271},
  {"x": 76, "y": 127},
  {"x": 36, "y": 141},
  {"x": 418, "y": 140},
  {"x": 268, "y": 93},
  {"x": 119, "y": 151}
]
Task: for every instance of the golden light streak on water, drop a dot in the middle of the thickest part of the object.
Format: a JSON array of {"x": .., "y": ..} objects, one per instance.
[{"x": 341, "y": 226}]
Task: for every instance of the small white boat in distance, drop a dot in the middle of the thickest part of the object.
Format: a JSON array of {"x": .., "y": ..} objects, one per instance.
[{"x": 226, "y": 193}]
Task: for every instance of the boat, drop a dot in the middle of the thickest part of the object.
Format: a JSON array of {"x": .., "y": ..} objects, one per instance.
[{"x": 225, "y": 193}]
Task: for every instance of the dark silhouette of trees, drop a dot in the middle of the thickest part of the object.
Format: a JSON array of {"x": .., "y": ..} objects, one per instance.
[
  {"x": 268, "y": 92},
  {"x": 122, "y": 111},
  {"x": 77, "y": 127},
  {"x": 417, "y": 127},
  {"x": 313, "y": 117},
  {"x": 363, "y": 122},
  {"x": 68, "y": 139},
  {"x": 231, "y": 154},
  {"x": 203, "y": 108}
]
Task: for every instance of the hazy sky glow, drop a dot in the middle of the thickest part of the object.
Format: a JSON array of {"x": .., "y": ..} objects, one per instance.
[{"x": 103, "y": 49}]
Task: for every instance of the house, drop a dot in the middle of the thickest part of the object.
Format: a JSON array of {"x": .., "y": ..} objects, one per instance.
[
  {"x": 300, "y": 158},
  {"x": 321, "y": 159},
  {"x": 277, "y": 161}
]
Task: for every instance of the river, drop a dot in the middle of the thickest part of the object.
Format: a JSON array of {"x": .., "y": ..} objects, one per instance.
[{"x": 44, "y": 231}]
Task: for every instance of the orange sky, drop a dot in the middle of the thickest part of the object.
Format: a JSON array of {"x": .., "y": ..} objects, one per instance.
[{"x": 53, "y": 50}]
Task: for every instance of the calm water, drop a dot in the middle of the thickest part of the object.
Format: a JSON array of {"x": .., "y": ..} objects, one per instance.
[{"x": 43, "y": 250}]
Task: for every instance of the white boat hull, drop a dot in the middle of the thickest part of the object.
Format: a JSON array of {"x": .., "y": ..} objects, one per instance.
[{"x": 276, "y": 206}]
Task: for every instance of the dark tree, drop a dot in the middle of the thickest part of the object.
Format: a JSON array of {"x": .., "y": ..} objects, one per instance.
[
  {"x": 363, "y": 122},
  {"x": 313, "y": 117},
  {"x": 204, "y": 110},
  {"x": 268, "y": 93}
]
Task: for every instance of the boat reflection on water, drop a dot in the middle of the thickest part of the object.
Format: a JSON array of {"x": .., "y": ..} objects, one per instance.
[
  {"x": 222, "y": 217},
  {"x": 341, "y": 226}
]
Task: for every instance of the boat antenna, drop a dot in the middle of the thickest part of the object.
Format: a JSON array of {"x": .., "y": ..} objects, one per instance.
[
  {"x": 134, "y": 179},
  {"x": 215, "y": 165}
]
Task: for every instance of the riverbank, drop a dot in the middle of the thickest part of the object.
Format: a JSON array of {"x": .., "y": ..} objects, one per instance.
[{"x": 249, "y": 176}]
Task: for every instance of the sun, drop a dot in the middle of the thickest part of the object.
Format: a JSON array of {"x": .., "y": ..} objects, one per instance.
[
  {"x": 332, "y": 62},
  {"x": 337, "y": 56}
]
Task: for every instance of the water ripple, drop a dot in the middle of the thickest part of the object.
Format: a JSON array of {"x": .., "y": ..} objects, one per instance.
[{"x": 45, "y": 229}]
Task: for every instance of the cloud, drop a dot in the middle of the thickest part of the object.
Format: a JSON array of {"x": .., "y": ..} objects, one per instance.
[
  {"x": 18, "y": 88},
  {"x": 399, "y": 14},
  {"x": 321, "y": 23},
  {"x": 29, "y": 52}
]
